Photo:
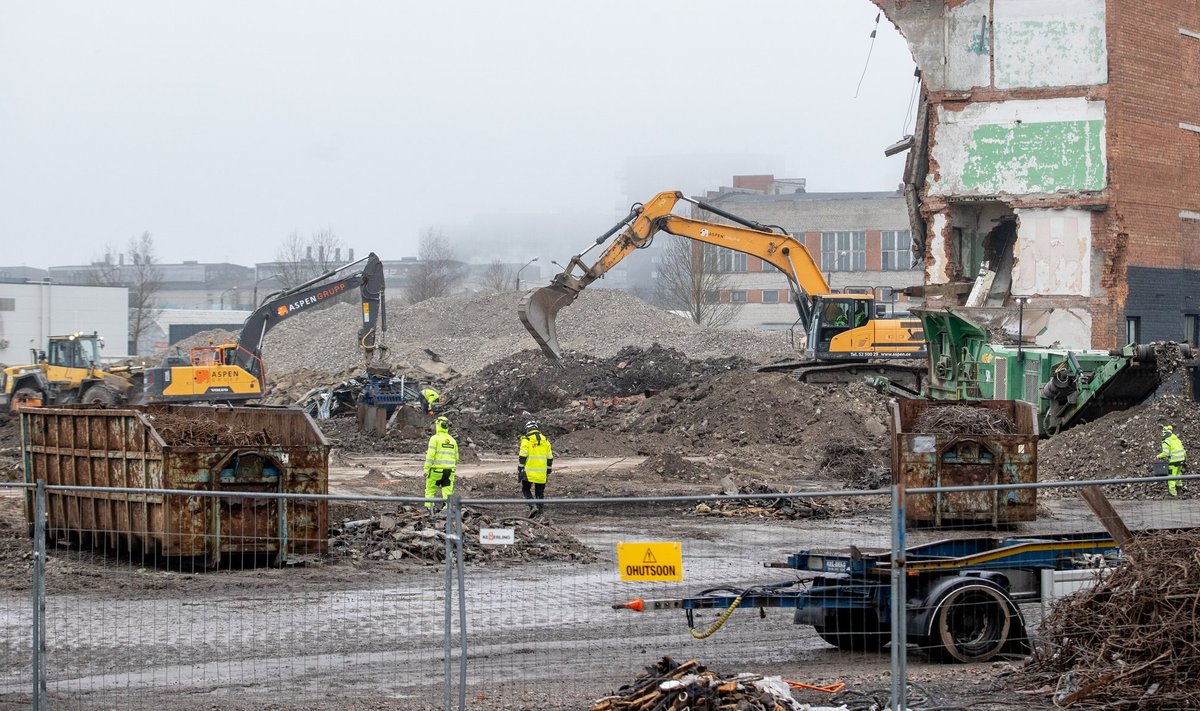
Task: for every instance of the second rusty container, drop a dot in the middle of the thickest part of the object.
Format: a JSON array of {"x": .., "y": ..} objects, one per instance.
[{"x": 963, "y": 458}]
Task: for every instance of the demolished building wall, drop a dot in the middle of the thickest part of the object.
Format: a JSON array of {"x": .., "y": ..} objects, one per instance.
[{"x": 1053, "y": 158}]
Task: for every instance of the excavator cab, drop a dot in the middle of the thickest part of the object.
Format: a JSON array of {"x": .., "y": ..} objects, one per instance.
[{"x": 836, "y": 315}]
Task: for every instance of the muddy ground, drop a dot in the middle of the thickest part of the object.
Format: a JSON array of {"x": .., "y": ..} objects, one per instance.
[
  {"x": 361, "y": 626},
  {"x": 342, "y": 631}
]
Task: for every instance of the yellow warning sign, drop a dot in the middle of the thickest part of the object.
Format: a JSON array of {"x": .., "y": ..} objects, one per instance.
[{"x": 650, "y": 561}]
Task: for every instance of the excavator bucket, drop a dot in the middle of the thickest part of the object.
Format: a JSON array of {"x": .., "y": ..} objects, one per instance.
[{"x": 538, "y": 310}]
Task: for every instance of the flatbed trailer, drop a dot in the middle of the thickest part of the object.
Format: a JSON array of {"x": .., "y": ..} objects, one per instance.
[{"x": 963, "y": 595}]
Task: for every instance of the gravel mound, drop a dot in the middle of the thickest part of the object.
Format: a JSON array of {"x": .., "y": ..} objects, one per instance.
[{"x": 470, "y": 332}]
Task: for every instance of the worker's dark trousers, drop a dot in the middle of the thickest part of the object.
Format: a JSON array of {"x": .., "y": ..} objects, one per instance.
[{"x": 531, "y": 491}]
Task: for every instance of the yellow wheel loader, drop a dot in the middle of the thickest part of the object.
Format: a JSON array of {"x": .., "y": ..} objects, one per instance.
[{"x": 69, "y": 371}]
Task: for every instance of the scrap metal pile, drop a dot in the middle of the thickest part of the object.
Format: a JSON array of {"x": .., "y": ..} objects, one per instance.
[
  {"x": 963, "y": 419},
  {"x": 688, "y": 685},
  {"x": 1133, "y": 640},
  {"x": 188, "y": 431},
  {"x": 413, "y": 534}
]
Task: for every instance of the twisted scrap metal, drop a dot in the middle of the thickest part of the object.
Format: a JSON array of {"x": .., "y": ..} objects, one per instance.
[
  {"x": 964, "y": 419},
  {"x": 1133, "y": 640},
  {"x": 183, "y": 431}
]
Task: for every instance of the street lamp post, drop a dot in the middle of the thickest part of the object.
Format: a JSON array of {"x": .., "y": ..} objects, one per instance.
[
  {"x": 259, "y": 281},
  {"x": 223, "y": 293},
  {"x": 531, "y": 261}
]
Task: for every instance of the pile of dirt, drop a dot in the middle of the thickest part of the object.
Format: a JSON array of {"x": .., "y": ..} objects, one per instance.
[
  {"x": 1120, "y": 444},
  {"x": 580, "y": 390},
  {"x": 672, "y": 465},
  {"x": 412, "y": 534},
  {"x": 470, "y": 332},
  {"x": 765, "y": 411},
  {"x": 1132, "y": 640}
]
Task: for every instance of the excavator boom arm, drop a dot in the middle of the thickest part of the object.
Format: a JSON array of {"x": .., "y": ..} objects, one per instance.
[
  {"x": 539, "y": 308},
  {"x": 312, "y": 295}
]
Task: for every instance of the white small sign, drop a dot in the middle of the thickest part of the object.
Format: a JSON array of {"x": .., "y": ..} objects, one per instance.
[{"x": 497, "y": 536}]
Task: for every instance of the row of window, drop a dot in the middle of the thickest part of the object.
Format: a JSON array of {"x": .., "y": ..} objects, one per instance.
[
  {"x": 1191, "y": 329},
  {"x": 842, "y": 251}
]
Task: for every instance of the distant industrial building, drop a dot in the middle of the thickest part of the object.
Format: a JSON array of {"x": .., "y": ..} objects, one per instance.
[{"x": 31, "y": 312}]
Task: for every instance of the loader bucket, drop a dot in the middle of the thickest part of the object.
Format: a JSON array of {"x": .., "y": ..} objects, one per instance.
[{"x": 538, "y": 310}]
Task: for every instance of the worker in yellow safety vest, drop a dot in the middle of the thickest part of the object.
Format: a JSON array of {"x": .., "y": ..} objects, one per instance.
[
  {"x": 441, "y": 459},
  {"x": 1176, "y": 455},
  {"x": 432, "y": 397},
  {"x": 535, "y": 462}
]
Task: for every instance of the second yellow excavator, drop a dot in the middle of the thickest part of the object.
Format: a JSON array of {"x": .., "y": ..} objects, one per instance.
[{"x": 845, "y": 332}]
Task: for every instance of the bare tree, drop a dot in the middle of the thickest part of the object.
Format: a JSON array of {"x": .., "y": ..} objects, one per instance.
[
  {"x": 437, "y": 271},
  {"x": 136, "y": 270},
  {"x": 302, "y": 258},
  {"x": 498, "y": 276},
  {"x": 690, "y": 280}
]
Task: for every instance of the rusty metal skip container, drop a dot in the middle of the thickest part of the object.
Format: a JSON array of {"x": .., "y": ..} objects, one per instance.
[
  {"x": 142, "y": 448},
  {"x": 932, "y": 459}
]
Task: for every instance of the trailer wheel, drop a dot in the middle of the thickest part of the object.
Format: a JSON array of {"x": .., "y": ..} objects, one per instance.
[
  {"x": 853, "y": 630},
  {"x": 972, "y": 624}
]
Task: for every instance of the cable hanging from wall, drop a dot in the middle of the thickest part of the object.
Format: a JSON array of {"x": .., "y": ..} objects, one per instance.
[{"x": 870, "y": 49}]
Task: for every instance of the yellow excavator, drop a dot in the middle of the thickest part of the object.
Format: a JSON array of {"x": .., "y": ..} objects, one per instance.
[
  {"x": 230, "y": 372},
  {"x": 847, "y": 334}
]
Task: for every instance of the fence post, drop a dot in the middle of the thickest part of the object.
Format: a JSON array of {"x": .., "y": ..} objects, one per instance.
[
  {"x": 457, "y": 514},
  {"x": 447, "y": 631},
  {"x": 899, "y": 606},
  {"x": 39, "y": 596}
]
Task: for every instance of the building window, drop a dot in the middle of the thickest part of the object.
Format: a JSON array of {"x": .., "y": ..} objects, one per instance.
[
  {"x": 896, "y": 249},
  {"x": 843, "y": 251},
  {"x": 1133, "y": 329},
  {"x": 730, "y": 261},
  {"x": 770, "y": 296},
  {"x": 1191, "y": 328},
  {"x": 737, "y": 296},
  {"x": 8, "y": 304},
  {"x": 712, "y": 296}
]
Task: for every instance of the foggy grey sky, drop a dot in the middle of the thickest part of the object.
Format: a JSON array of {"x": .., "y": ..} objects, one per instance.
[{"x": 221, "y": 127}]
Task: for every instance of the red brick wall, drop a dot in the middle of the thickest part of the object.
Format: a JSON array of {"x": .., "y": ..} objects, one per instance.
[
  {"x": 753, "y": 182},
  {"x": 874, "y": 251},
  {"x": 1148, "y": 98}
]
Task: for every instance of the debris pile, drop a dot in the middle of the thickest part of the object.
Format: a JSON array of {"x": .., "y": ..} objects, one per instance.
[
  {"x": 760, "y": 409},
  {"x": 470, "y": 332},
  {"x": 529, "y": 381},
  {"x": 184, "y": 431},
  {"x": 411, "y": 533},
  {"x": 767, "y": 507},
  {"x": 1120, "y": 444},
  {"x": 672, "y": 465},
  {"x": 1132, "y": 640},
  {"x": 668, "y": 684},
  {"x": 964, "y": 419},
  {"x": 857, "y": 462}
]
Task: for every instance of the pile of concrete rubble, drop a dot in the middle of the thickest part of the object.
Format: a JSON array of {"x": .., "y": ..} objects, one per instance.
[
  {"x": 413, "y": 534},
  {"x": 470, "y": 332}
]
